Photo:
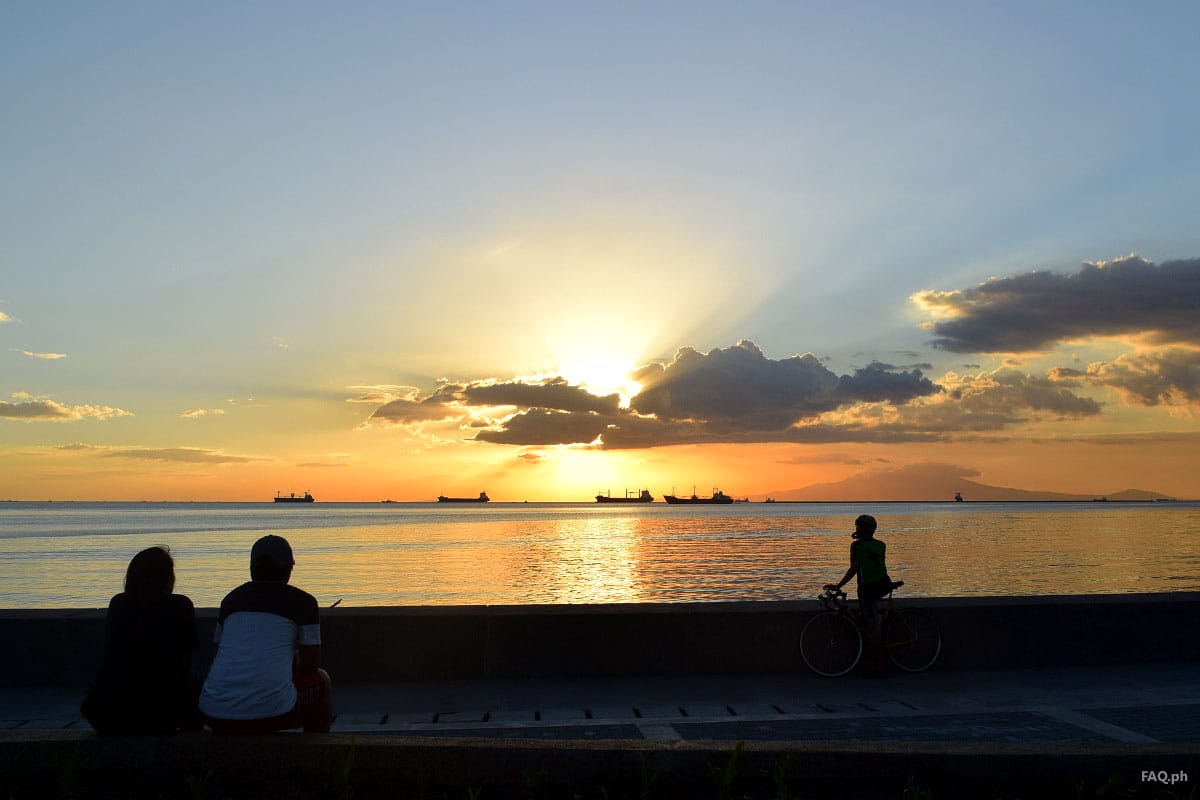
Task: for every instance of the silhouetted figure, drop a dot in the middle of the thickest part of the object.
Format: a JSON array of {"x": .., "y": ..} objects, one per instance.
[
  {"x": 265, "y": 676},
  {"x": 145, "y": 683},
  {"x": 868, "y": 561}
]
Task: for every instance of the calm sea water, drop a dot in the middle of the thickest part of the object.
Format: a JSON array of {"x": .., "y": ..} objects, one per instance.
[{"x": 73, "y": 555}]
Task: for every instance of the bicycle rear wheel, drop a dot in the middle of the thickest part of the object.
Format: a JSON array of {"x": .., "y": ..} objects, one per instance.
[
  {"x": 912, "y": 638},
  {"x": 830, "y": 644}
]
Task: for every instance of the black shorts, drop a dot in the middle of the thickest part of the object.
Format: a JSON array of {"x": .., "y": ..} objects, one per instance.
[{"x": 875, "y": 590}]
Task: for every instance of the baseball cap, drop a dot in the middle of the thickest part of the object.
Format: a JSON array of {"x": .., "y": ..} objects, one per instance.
[{"x": 273, "y": 548}]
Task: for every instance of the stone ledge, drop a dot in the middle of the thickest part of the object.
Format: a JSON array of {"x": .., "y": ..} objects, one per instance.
[{"x": 62, "y": 647}]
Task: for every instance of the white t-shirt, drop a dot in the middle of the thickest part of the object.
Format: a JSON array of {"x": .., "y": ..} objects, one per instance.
[{"x": 258, "y": 629}]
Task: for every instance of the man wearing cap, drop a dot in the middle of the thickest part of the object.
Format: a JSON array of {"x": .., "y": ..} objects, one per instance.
[{"x": 265, "y": 676}]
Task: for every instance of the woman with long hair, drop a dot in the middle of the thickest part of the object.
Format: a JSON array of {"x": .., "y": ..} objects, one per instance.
[{"x": 145, "y": 683}]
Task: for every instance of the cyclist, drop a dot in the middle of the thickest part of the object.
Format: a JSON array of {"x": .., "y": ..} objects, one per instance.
[{"x": 869, "y": 563}]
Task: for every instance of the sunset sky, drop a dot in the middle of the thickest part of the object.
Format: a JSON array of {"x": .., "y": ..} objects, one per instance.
[{"x": 543, "y": 249}]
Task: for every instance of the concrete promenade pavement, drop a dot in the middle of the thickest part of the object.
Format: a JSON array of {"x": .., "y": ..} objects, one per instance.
[
  {"x": 1048, "y": 732},
  {"x": 1132, "y": 704}
]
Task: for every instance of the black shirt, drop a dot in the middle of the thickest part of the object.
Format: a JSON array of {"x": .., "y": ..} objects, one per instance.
[{"x": 145, "y": 683}]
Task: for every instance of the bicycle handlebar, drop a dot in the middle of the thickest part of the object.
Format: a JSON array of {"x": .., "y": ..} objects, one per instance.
[{"x": 832, "y": 599}]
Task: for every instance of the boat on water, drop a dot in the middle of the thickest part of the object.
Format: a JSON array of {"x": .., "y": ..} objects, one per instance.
[
  {"x": 718, "y": 498},
  {"x": 643, "y": 497},
  {"x": 483, "y": 498},
  {"x": 293, "y": 498}
]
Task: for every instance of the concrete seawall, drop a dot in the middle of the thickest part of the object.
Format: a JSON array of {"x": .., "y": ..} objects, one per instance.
[{"x": 62, "y": 647}]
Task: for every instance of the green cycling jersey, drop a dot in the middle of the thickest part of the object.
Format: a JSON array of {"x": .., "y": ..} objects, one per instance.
[{"x": 871, "y": 557}]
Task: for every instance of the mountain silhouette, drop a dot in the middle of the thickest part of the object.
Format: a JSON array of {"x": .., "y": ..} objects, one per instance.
[{"x": 932, "y": 481}]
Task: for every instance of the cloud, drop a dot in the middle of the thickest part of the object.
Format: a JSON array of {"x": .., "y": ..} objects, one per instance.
[
  {"x": 881, "y": 382},
  {"x": 410, "y": 411},
  {"x": 455, "y": 400},
  {"x": 1140, "y": 439},
  {"x": 50, "y": 411},
  {"x": 43, "y": 356},
  {"x": 5, "y": 317},
  {"x": 381, "y": 394},
  {"x": 1036, "y": 310},
  {"x": 321, "y": 465},
  {"x": 542, "y": 426},
  {"x": 1169, "y": 377},
  {"x": 195, "y": 413},
  {"x": 551, "y": 393},
  {"x": 738, "y": 395},
  {"x": 1008, "y": 390},
  {"x": 740, "y": 383},
  {"x": 186, "y": 455},
  {"x": 727, "y": 395},
  {"x": 827, "y": 457},
  {"x": 983, "y": 403}
]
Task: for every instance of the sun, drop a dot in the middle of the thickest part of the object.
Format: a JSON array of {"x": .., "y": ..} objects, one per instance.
[{"x": 602, "y": 374}]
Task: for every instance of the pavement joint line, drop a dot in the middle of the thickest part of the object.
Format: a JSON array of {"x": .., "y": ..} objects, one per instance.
[
  {"x": 1063, "y": 715},
  {"x": 660, "y": 733},
  {"x": 488, "y": 726},
  {"x": 1082, "y": 720},
  {"x": 1106, "y": 705},
  {"x": 358, "y": 720}
]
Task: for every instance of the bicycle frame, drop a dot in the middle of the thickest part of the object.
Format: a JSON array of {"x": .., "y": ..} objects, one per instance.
[{"x": 911, "y": 638}]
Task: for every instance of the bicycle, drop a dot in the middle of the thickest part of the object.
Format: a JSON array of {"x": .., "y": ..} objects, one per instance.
[{"x": 831, "y": 643}]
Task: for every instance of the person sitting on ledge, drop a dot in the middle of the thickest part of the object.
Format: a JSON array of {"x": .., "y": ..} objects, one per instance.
[
  {"x": 266, "y": 676},
  {"x": 145, "y": 683}
]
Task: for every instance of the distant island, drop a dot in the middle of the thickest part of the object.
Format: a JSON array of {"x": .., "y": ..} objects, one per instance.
[{"x": 919, "y": 482}]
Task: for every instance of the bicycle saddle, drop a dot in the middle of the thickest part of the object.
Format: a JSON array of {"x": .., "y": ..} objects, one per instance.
[{"x": 896, "y": 585}]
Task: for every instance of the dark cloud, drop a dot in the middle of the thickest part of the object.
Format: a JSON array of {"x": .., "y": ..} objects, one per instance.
[
  {"x": 1036, "y": 310},
  {"x": 450, "y": 400},
  {"x": 737, "y": 395},
  {"x": 552, "y": 393},
  {"x": 540, "y": 426},
  {"x": 879, "y": 382},
  {"x": 435, "y": 407},
  {"x": 34, "y": 410},
  {"x": 736, "y": 382},
  {"x": 187, "y": 455},
  {"x": 628, "y": 431},
  {"x": 742, "y": 388}
]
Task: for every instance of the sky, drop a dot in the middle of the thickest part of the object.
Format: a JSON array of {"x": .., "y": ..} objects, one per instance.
[{"x": 392, "y": 251}]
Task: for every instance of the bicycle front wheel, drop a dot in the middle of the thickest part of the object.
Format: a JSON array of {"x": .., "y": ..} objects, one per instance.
[
  {"x": 912, "y": 638},
  {"x": 830, "y": 644}
]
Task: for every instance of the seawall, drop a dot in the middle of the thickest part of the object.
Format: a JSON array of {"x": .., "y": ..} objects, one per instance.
[{"x": 62, "y": 647}]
